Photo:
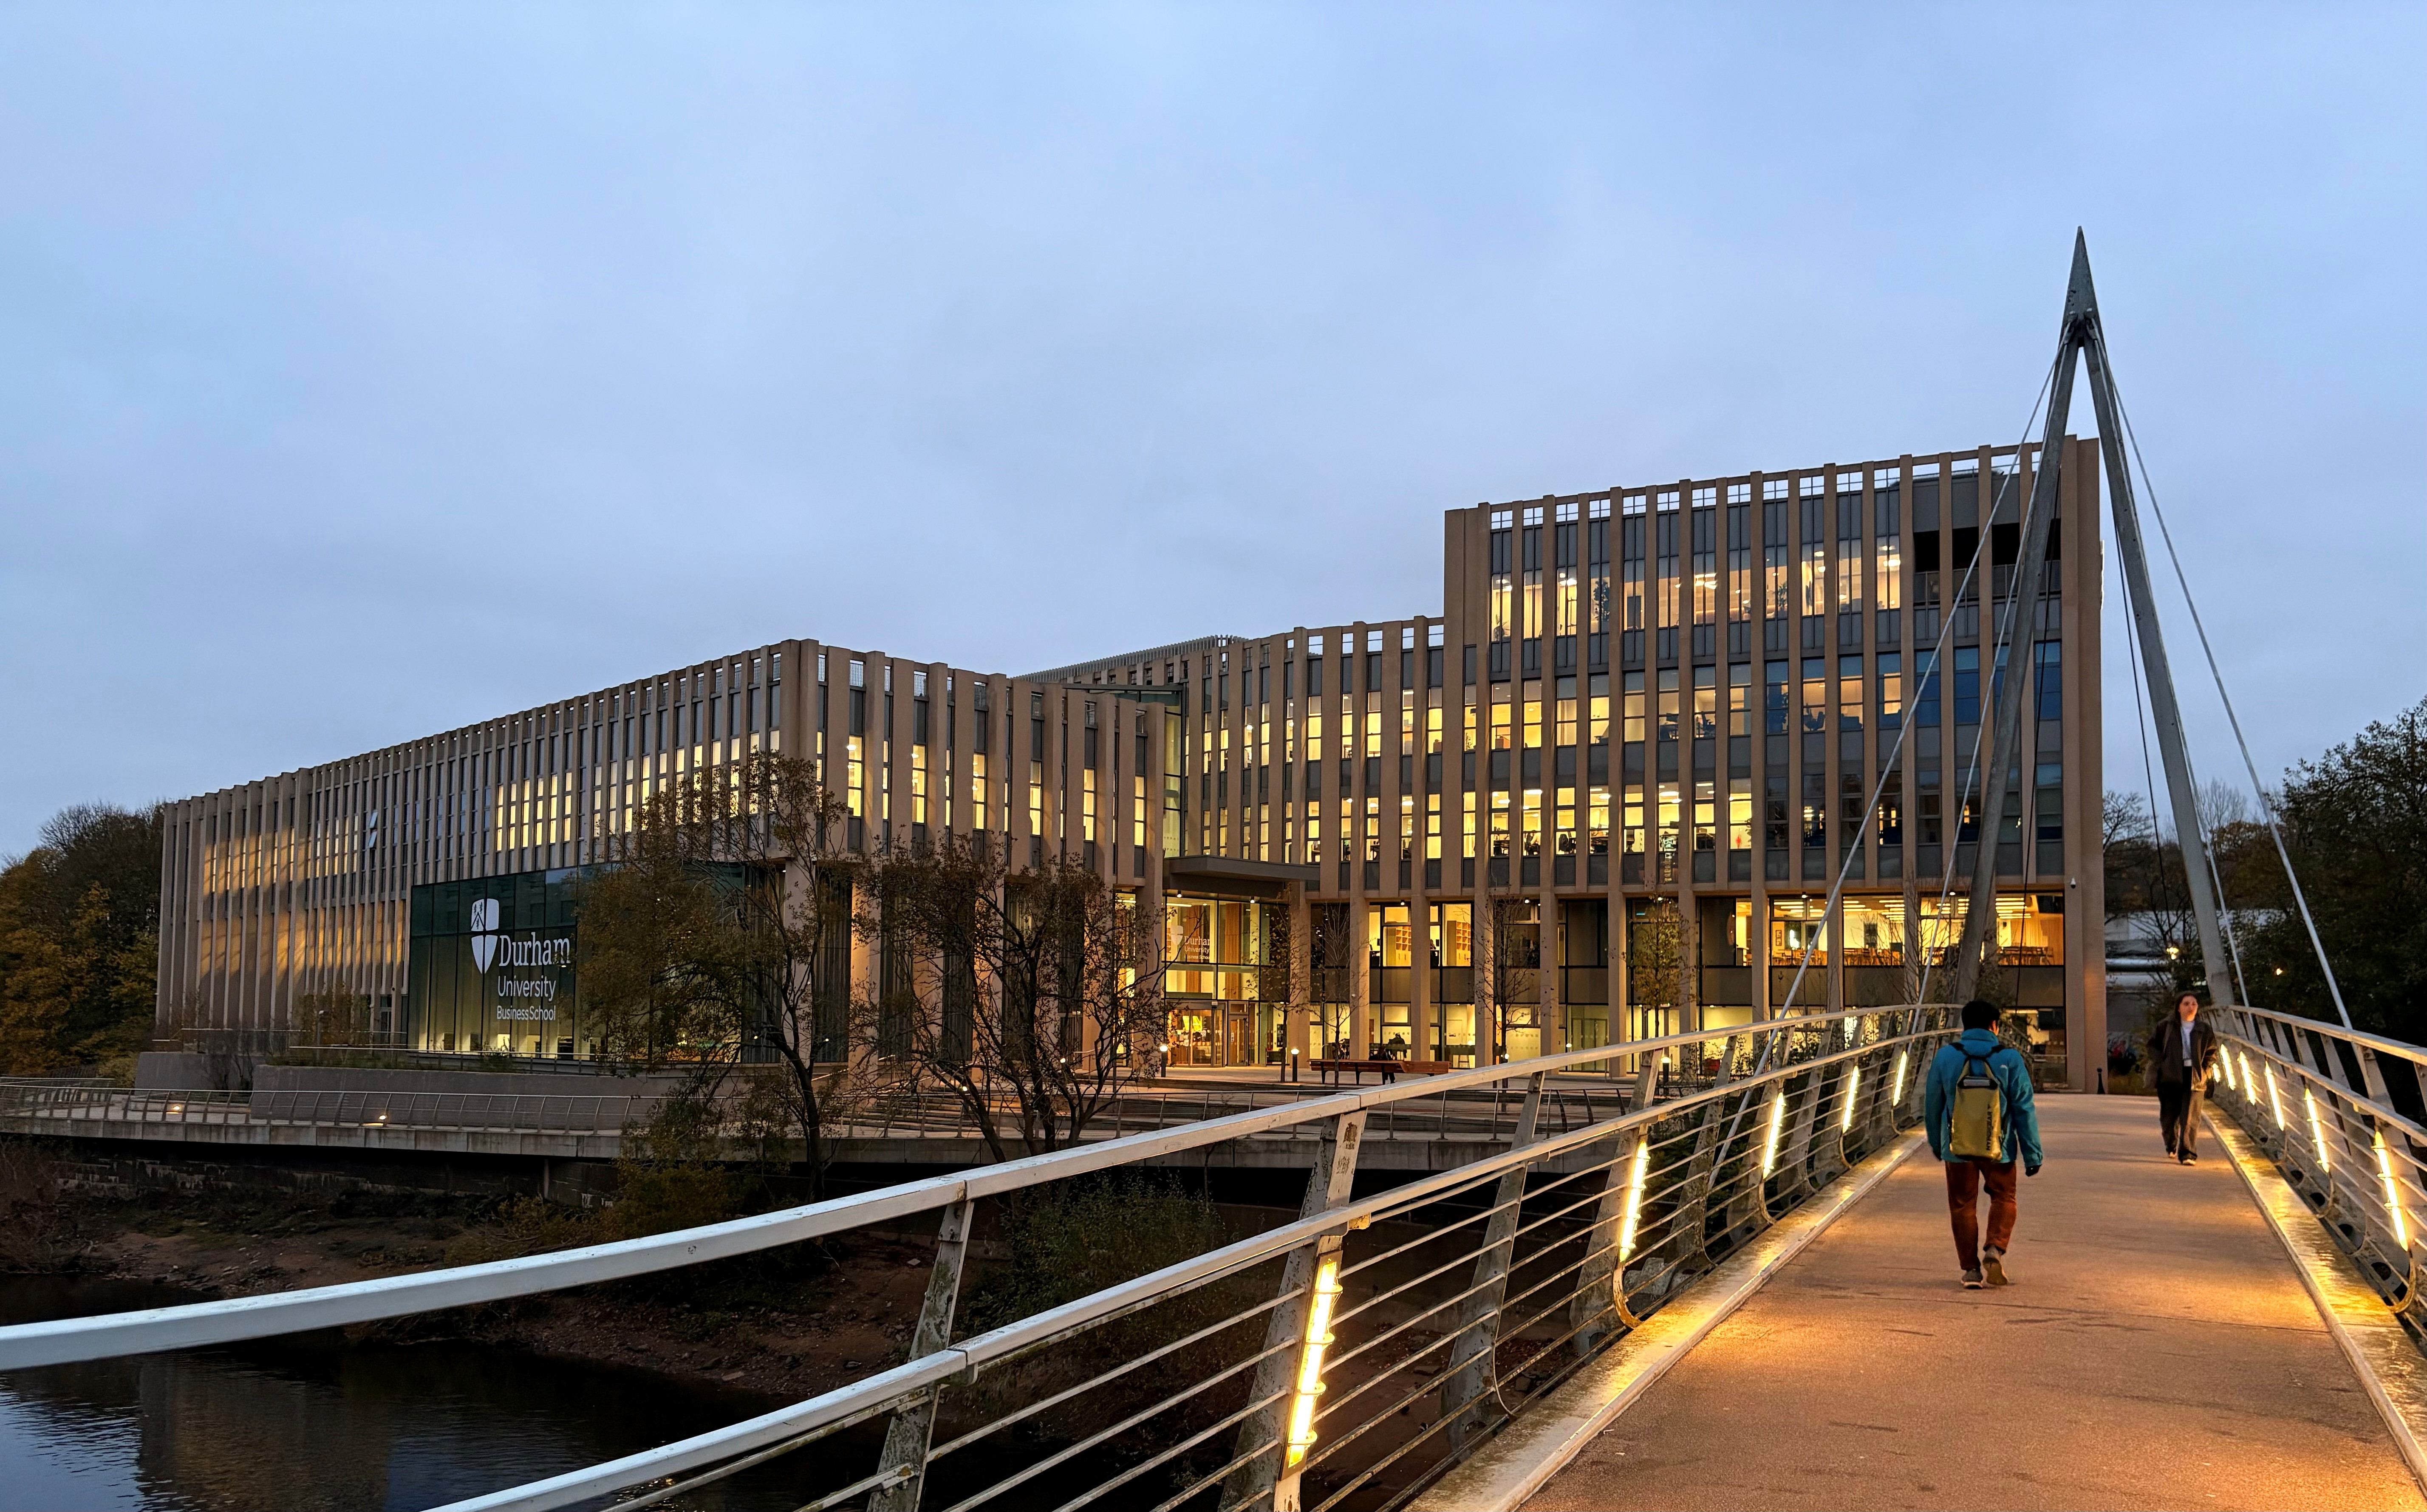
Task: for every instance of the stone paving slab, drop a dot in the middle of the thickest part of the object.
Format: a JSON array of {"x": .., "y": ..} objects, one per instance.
[{"x": 2156, "y": 1350}]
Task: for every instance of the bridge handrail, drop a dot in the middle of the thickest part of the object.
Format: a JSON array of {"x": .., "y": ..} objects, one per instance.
[
  {"x": 548, "y": 1111},
  {"x": 2416, "y": 1053},
  {"x": 874, "y": 1394},
  {"x": 2356, "y": 1159},
  {"x": 193, "y": 1325}
]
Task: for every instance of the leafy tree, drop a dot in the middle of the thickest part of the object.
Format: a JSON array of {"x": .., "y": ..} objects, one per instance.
[
  {"x": 709, "y": 940},
  {"x": 79, "y": 932},
  {"x": 2354, "y": 821},
  {"x": 1036, "y": 994}
]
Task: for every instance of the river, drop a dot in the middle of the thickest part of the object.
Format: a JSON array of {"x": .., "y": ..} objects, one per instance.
[{"x": 318, "y": 1423}]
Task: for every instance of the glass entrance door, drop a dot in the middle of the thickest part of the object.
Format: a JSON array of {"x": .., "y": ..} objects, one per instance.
[{"x": 1192, "y": 1038}]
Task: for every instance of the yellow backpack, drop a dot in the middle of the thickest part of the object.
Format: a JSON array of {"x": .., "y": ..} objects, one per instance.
[{"x": 1976, "y": 1121}]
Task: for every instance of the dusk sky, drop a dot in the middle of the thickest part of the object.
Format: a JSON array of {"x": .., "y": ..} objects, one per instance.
[{"x": 367, "y": 371}]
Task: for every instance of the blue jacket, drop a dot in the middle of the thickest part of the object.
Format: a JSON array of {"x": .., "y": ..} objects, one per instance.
[{"x": 2013, "y": 1077}]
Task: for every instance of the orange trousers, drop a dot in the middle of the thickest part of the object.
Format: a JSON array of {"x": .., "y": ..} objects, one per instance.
[{"x": 1963, "y": 1182}]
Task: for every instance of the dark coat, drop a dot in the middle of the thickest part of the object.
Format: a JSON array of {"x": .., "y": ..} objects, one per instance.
[{"x": 2166, "y": 1051}]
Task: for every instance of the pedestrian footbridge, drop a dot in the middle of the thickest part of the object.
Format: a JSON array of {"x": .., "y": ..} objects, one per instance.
[
  {"x": 1735, "y": 1291},
  {"x": 2159, "y": 1348}
]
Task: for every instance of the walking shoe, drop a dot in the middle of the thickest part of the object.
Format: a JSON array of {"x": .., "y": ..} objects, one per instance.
[
  {"x": 2190, "y": 1158},
  {"x": 1972, "y": 1282},
  {"x": 1993, "y": 1267}
]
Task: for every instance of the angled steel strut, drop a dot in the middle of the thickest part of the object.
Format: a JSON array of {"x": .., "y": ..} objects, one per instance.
[{"x": 2082, "y": 335}]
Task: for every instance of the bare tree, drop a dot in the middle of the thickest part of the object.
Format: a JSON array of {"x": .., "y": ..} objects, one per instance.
[
  {"x": 2221, "y": 805},
  {"x": 1507, "y": 967},
  {"x": 1035, "y": 997},
  {"x": 336, "y": 1015},
  {"x": 1656, "y": 961},
  {"x": 2121, "y": 818}
]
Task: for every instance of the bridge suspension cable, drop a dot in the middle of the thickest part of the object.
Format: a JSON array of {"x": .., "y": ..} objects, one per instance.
[
  {"x": 2199, "y": 626},
  {"x": 1895, "y": 749}
]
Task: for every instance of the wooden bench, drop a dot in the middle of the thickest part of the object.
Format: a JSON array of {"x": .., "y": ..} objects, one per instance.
[{"x": 1384, "y": 1067}]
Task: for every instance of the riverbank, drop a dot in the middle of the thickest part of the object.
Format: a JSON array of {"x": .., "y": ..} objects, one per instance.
[{"x": 790, "y": 1325}]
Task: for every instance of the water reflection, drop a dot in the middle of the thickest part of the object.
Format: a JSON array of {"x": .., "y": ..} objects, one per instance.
[{"x": 317, "y": 1424}]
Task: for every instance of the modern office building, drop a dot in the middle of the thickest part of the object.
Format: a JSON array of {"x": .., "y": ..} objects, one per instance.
[{"x": 1606, "y": 791}]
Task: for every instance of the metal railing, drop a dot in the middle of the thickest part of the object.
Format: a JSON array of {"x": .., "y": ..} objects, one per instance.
[
  {"x": 2343, "y": 1115},
  {"x": 54, "y": 1109},
  {"x": 1342, "y": 1360},
  {"x": 913, "y": 1114}
]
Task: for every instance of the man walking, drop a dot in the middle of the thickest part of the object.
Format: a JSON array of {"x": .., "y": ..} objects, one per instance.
[
  {"x": 2182, "y": 1054},
  {"x": 1978, "y": 1106}
]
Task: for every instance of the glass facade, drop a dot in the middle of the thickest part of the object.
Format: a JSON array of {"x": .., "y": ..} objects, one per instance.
[
  {"x": 491, "y": 966},
  {"x": 1227, "y": 981},
  {"x": 1724, "y": 694}
]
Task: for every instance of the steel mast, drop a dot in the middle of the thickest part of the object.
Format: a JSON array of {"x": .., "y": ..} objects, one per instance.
[{"x": 2080, "y": 334}]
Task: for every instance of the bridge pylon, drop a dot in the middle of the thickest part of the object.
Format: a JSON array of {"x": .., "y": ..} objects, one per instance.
[{"x": 2080, "y": 336}]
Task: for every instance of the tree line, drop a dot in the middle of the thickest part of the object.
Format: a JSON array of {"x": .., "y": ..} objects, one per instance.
[
  {"x": 2354, "y": 822},
  {"x": 79, "y": 941}
]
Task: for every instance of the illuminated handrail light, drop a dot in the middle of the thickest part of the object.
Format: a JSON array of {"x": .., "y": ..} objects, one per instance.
[
  {"x": 2248, "y": 1082},
  {"x": 1896, "y": 1087},
  {"x": 1636, "y": 1171},
  {"x": 2275, "y": 1099},
  {"x": 1309, "y": 1364},
  {"x": 2226, "y": 1060},
  {"x": 2392, "y": 1193},
  {"x": 1853, "y": 1081},
  {"x": 2316, "y": 1130},
  {"x": 1769, "y": 1137}
]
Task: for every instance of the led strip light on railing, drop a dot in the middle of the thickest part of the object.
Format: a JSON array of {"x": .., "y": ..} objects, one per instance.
[
  {"x": 1770, "y": 1138},
  {"x": 1632, "y": 1218},
  {"x": 2316, "y": 1130},
  {"x": 2393, "y": 1204},
  {"x": 1310, "y": 1366}
]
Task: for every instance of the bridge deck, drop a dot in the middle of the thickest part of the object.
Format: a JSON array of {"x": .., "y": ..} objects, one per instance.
[{"x": 2155, "y": 1350}]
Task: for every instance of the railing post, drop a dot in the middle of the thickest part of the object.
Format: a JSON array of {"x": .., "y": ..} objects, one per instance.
[
  {"x": 1470, "y": 1361},
  {"x": 1741, "y": 1129},
  {"x": 1265, "y": 1478},
  {"x": 1600, "y": 1280},
  {"x": 913, "y": 1428},
  {"x": 1828, "y": 1102},
  {"x": 1691, "y": 1216}
]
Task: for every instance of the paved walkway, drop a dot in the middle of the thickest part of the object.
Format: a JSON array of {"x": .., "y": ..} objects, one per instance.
[{"x": 2155, "y": 1350}]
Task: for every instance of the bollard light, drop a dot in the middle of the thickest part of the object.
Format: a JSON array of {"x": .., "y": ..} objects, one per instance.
[
  {"x": 2316, "y": 1130},
  {"x": 1769, "y": 1136},
  {"x": 1310, "y": 1365},
  {"x": 1854, "y": 1080},
  {"x": 2392, "y": 1193},
  {"x": 1638, "y": 1169}
]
